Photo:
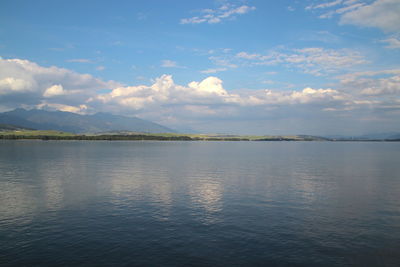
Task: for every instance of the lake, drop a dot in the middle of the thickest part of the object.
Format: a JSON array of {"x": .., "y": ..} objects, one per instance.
[{"x": 158, "y": 203}]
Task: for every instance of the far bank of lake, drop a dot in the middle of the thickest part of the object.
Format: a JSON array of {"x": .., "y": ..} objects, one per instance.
[{"x": 131, "y": 136}]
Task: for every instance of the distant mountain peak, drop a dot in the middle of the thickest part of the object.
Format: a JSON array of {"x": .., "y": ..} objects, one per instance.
[{"x": 76, "y": 123}]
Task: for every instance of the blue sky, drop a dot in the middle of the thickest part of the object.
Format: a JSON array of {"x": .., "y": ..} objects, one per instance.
[{"x": 265, "y": 67}]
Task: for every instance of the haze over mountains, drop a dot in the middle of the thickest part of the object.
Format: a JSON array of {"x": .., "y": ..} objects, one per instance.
[{"x": 75, "y": 123}]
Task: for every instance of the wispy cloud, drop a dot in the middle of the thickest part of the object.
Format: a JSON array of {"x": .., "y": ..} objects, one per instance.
[
  {"x": 212, "y": 16},
  {"x": 215, "y": 70},
  {"x": 65, "y": 47},
  {"x": 80, "y": 60},
  {"x": 316, "y": 61},
  {"x": 373, "y": 83},
  {"x": 312, "y": 60},
  {"x": 324, "y": 5},
  {"x": 224, "y": 61},
  {"x": 290, "y": 8},
  {"x": 382, "y": 14},
  {"x": 392, "y": 42},
  {"x": 170, "y": 64}
]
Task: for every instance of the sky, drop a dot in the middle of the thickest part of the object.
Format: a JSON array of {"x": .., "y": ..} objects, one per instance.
[{"x": 212, "y": 66}]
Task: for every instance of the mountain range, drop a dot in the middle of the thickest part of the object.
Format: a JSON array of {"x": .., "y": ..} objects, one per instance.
[{"x": 75, "y": 123}]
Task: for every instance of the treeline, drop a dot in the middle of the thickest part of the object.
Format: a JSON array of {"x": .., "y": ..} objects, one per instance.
[
  {"x": 136, "y": 137},
  {"x": 139, "y": 137},
  {"x": 95, "y": 137}
]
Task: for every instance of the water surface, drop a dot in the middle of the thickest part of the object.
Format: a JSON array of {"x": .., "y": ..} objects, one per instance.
[{"x": 199, "y": 203}]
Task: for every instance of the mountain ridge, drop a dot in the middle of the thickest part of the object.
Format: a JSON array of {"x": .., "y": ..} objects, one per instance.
[{"x": 76, "y": 123}]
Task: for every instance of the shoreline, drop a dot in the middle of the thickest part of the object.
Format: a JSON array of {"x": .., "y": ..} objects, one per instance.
[{"x": 177, "y": 138}]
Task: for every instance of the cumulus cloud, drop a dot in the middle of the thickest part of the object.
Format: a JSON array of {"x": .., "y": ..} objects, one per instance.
[
  {"x": 164, "y": 91},
  {"x": 54, "y": 90},
  {"x": 73, "y": 89},
  {"x": 200, "y": 103},
  {"x": 210, "y": 85},
  {"x": 26, "y": 84},
  {"x": 212, "y": 16},
  {"x": 210, "y": 91},
  {"x": 9, "y": 85}
]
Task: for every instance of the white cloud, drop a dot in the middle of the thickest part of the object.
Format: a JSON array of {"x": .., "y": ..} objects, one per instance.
[
  {"x": 25, "y": 82},
  {"x": 213, "y": 70},
  {"x": 171, "y": 64},
  {"x": 383, "y": 14},
  {"x": 213, "y": 16},
  {"x": 223, "y": 61},
  {"x": 312, "y": 60},
  {"x": 164, "y": 92},
  {"x": 247, "y": 55},
  {"x": 306, "y": 96},
  {"x": 393, "y": 42},
  {"x": 55, "y": 90},
  {"x": 168, "y": 64},
  {"x": 81, "y": 109},
  {"x": 352, "y": 77},
  {"x": 384, "y": 83},
  {"x": 325, "y": 5},
  {"x": 341, "y": 10},
  {"x": 383, "y": 86},
  {"x": 14, "y": 85},
  {"x": 210, "y": 85}
]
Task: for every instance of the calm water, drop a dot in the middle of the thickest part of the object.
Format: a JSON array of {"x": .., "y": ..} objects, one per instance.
[{"x": 199, "y": 203}]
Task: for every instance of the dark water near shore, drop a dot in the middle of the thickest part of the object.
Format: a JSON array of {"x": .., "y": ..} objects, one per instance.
[{"x": 199, "y": 203}]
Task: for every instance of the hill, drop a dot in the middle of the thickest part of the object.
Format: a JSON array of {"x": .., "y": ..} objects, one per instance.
[
  {"x": 75, "y": 123},
  {"x": 10, "y": 127}
]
